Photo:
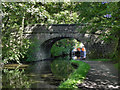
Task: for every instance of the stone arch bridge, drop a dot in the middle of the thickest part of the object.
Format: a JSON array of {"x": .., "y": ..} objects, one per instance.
[{"x": 47, "y": 35}]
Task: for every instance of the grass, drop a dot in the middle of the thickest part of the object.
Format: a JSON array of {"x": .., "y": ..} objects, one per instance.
[
  {"x": 99, "y": 59},
  {"x": 77, "y": 76}
]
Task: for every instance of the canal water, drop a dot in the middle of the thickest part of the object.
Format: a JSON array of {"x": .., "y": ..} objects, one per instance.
[{"x": 40, "y": 74}]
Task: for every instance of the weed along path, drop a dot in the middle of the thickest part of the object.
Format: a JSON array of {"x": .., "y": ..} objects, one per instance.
[{"x": 102, "y": 76}]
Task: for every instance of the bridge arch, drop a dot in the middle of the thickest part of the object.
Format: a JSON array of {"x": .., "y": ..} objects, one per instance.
[
  {"x": 46, "y": 44},
  {"x": 47, "y": 35}
]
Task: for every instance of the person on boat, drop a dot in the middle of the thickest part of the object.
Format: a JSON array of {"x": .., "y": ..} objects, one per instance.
[
  {"x": 83, "y": 53},
  {"x": 78, "y": 53}
]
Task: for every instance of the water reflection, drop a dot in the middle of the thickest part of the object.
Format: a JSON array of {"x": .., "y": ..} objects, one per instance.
[
  {"x": 15, "y": 79},
  {"x": 42, "y": 74},
  {"x": 61, "y": 68}
]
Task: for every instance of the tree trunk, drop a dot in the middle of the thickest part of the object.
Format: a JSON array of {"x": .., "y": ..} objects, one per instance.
[{"x": 23, "y": 21}]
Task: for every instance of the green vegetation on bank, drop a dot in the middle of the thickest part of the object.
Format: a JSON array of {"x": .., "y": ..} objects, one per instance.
[
  {"x": 100, "y": 60},
  {"x": 77, "y": 76}
]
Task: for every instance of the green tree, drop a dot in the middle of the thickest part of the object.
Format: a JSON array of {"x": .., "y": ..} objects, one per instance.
[
  {"x": 102, "y": 17},
  {"x": 16, "y": 16},
  {"x": 62, "y": 47}
]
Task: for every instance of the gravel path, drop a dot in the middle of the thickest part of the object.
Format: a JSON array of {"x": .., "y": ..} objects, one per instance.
[{"x": 102, "y": 76}]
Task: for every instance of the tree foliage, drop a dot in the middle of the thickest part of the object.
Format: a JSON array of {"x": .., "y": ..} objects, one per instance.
[
  {"x": 62, "y": 47},
  {"x": 103, "y": 18},
  {"x": 99, "y": 17},
  {"x": 16, "y": 16}
]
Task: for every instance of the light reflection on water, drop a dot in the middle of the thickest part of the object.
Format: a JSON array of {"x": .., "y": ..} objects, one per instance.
[{"x": 41, "y": 74}]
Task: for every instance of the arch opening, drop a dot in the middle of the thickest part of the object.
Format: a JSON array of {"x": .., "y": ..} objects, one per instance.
[{"x": 61, "y": 46}]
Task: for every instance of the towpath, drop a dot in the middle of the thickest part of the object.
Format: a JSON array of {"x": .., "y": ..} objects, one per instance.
[{"x": 102, "y": 76}]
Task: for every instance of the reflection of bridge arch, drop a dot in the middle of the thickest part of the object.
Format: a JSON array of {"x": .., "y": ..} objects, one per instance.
[{"x": 47, "y": 35}]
